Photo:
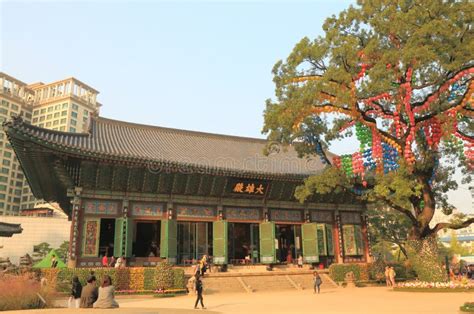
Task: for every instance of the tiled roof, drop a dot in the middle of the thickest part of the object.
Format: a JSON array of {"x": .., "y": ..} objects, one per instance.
[
  {"x": 7, "y": 230},
  {"x": 142, "y": 143}
]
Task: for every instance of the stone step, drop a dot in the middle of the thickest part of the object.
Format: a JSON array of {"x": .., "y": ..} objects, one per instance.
[
  {"x": 268, "y": 283},
  {"x": 305, "y": 281},
  {"x": 222, "y": 285}
]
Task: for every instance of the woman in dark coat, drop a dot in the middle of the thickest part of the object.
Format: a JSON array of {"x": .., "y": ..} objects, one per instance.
[
  {"x": 76, "y": 292},
  {"x": 199, "y": 287}
]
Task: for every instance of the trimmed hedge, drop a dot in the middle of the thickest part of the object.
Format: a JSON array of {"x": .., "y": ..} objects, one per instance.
[
  {"x": 124, "y": 279},
  {"x": 468, "y": 307},
  {"x": 337, "y": 272}
]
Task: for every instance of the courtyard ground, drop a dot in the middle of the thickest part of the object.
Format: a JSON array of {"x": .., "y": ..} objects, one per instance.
[{"x": 359, "y": 300}]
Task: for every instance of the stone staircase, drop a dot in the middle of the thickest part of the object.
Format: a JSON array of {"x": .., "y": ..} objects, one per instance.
[
  {"x": 263, "y": 282},
  {"x": 305, "y": 281},
  {"x": 268, "y": 283},
  {"x": 222, "y": 285}
]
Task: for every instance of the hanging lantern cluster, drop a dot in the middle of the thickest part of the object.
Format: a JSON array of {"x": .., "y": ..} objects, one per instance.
[
  {"x": 369, "y": 162},
  {"x": 364, "y": 135},
  {"x": 357, "y": 164},
  {"x": 381, "y": 153},
  {"x": 390, "y": 158},
  {"x": 346, "y": 164}
]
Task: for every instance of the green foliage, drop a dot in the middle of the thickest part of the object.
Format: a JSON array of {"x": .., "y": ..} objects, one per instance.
[
  {"x": 435, "y": 40},
  {"x": 154, "y": 278},
  {"x": 149, "y": 279},
  {"x": 424, "y": 257},
  {"x": 62, "y": 250},
  {"x": 402, "y": 270},
  {"x": 455, "y": 247},
  {"x": 164, "y": 276},
  {"x": 468, "y": 307},
  {"x": 42, "y": 249},
  {"x": 179, "y": 280},
  {"x": 338, "y": 271},
  {"x": 388, "y": 228}
]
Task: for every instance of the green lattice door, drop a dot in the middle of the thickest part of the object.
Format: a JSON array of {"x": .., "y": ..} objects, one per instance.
[
  {"x": 267, "y": 243},
  {"x": 219, "y": 242},
  {"x": 128, "y": 227},
  {"x": 309, "y": 233},
  {"x": 169, "y": 242},
  {"x": 119, "y": 236}
]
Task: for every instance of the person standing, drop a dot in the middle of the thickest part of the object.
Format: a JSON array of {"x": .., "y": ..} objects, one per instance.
[
  {"x": 300, "y": 261},
  {"x": 89, "y": 293},
  {"x": 54, "y": 262},
  {"x": 106, "y": 298},
  {"x": 199, "y": 292},
  {"x": 105, "y": 261},
  {"x": 76, "y": 290},
  {"x": 392, "y": 275},
  {"x": 387, "y": 276},
  {"x": 317, "y": 282}
]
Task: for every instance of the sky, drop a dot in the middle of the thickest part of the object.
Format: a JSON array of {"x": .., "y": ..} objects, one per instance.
[{"x": 196, "y": 65}]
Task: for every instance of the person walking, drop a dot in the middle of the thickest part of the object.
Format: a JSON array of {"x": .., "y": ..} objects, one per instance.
[
  {"x": 76, "y": 290},
  {"x": 387, "y": 276},
  {"x": 199, "y": 292},
  {"x": 317, "y": 282},
  {"x": 106, "y": 298},
  {"x": 392, "y": 275},
  {"x": 89, "y": 293}
]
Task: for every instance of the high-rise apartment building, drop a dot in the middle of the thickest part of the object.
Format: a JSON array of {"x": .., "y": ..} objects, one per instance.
[{"x": 64, "y": 105}]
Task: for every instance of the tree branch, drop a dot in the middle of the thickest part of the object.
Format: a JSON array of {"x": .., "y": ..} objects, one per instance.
[
  {"x": 400, "y": 209},
  {"x": 454, "y": 226}
]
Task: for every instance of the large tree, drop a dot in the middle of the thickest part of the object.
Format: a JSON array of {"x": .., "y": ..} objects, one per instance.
[{"x": 399, "y": 72}]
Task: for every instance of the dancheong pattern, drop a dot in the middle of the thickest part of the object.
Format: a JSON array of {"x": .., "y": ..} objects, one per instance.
[
  {"x": 286, "y": 215},
  {"x": 195, "y": 211},
  {"x": 101, "y": 207},
  {"x": 147, "y": 209},
  {"x": 241, "y": 213}
]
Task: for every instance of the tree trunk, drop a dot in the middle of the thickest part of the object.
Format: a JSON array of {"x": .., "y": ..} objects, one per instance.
[{"x": 423, "y": 255}]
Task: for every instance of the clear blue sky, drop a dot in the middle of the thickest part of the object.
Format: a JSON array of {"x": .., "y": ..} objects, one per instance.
[{"x": 194, "y": 65}]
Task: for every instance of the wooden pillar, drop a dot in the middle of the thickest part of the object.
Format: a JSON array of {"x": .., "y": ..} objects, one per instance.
[
  {"x": 338, "y": 241},
  {"x": 76, "y": 223},
  {"x": 365, "y": 237}
]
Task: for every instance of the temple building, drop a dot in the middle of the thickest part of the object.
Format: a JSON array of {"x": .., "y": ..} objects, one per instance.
[{"x": 152, "y": 193}]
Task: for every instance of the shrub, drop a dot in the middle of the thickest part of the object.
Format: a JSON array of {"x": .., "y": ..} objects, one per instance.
[
  {"x": 137, "y": 278},
  {"x": 164, "y": 276},
  {"x": 337, "y": 272},
  {"x": 124, "y": 279},
  {"x": 20, "y": 292},
  {"x": 179, "y": 280},
  {"x": 149, "y": 278},
  {"x": 467, "y": 307}
]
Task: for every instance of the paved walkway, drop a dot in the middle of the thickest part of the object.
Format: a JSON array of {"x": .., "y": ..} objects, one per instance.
[{"x": 368, "y": 300}]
